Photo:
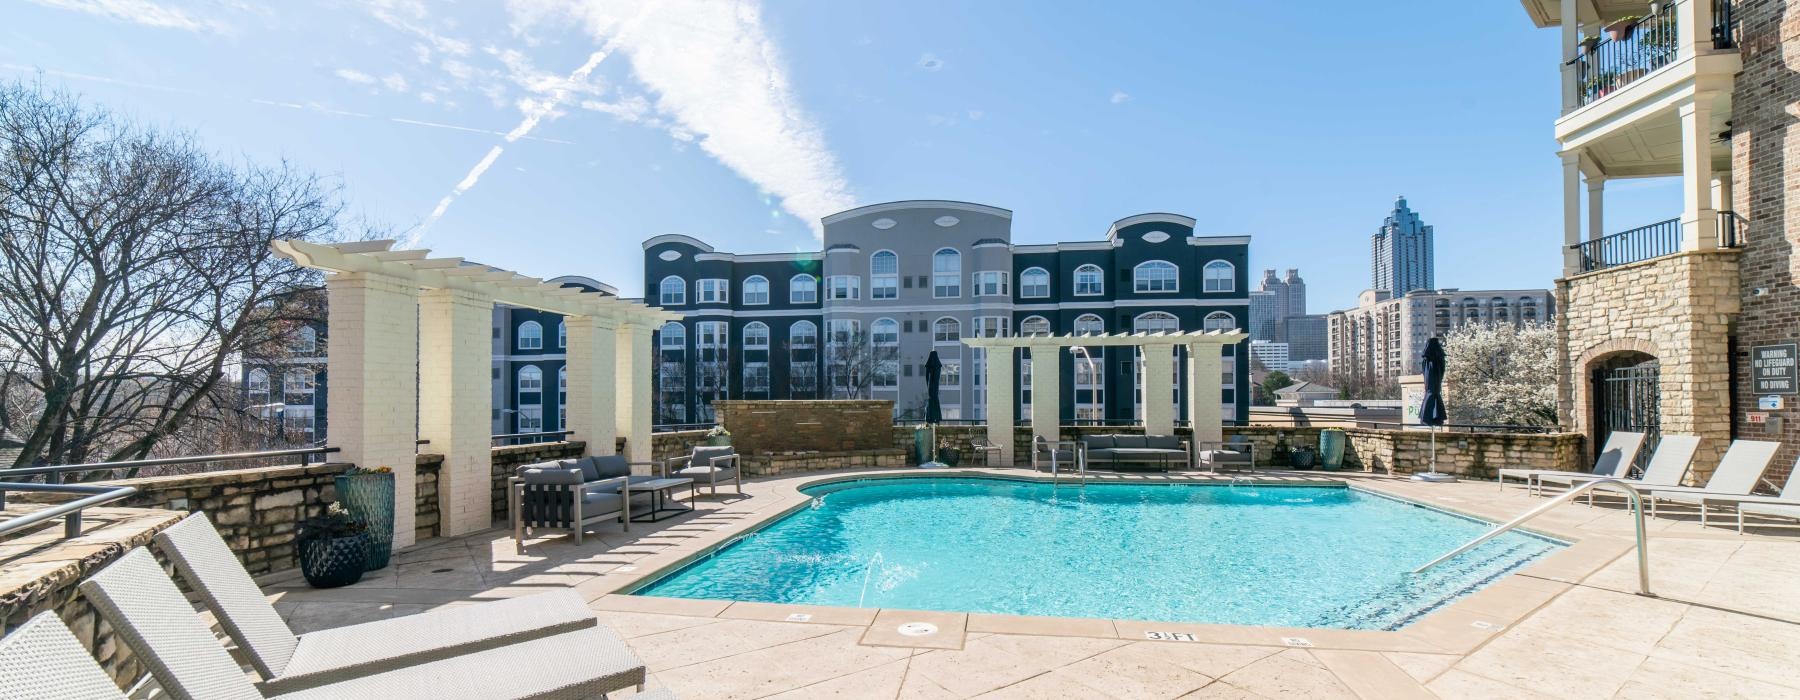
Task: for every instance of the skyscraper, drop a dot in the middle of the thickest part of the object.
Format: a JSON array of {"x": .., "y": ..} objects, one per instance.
[
  {"x": 1296, "y": 293},
  {"x": 1264, "y": 316},
  {"x": 1401, "y": 253},
  {"x": 1277, "y": 300}
]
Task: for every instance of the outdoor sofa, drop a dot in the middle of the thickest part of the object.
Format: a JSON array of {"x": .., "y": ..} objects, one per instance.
[
  {"x": 1152, "y": 451},
  {"x": 572, "y": 494}
]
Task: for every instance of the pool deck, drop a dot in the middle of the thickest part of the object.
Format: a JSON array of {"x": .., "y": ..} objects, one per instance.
[{"x": 1726, "y": 622}]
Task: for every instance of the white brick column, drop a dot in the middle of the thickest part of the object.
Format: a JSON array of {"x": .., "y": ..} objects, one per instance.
[
  {"x": 1159, "y": 389},
  {"x": 635, "y": 400},
  {"x": 1205, "y": 416},
  {"x": 372, "y": 389},
  {"x": 1570, "y": 25},
  {"x": 1046, "y": 392},
  {"x": 1699, "y": 220},
  {"x": 593, "y": 390},
  {"x": 1596, "y": 203},
  {"x": 1571, "y": 162},
  {"x": 1693, "y": 24},
  {"x": 455, "y": 396},
  {"x": 1000, "y": 401}
]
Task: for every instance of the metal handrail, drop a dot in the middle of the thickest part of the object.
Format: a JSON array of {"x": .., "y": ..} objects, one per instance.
[
  {"x": 531, "y": 438},
  {"x": 1637, "y": 511},
  {"x": 70, "y": 512},
  {"x": 54, "y": 471}
]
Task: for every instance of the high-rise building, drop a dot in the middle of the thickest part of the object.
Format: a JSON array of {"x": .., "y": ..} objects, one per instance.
[
  {"x": 1264, "y": 317},
  {"x": 1401, "y": 253},
  {"x": 1273, "y": 357},
  {"x": 1306, "y": 337},
  {"x": 1296, "y": 293},
  {"x": 1384, "y": 336},
  {"x": 1286, "y": 299}
]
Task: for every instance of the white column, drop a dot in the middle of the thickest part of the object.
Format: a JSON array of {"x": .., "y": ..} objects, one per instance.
[
  {"x": 1570, "y": 24},
  {"x": 1722, "y": 191},
  {"x": 1000, "y": 402},
  {"x": 1571, "y": 162},
  {"x": 1205, "y": 364},
  {"x": 455, "y": 396},
  {"x": 1596, "y": 202},
  {"x": 635, "y": 402},
  {"x": 1046, "y": 392},
  {"x": 1159, "y": 394},
  {"x": 1699, "y": 220},
  {"x": 1693, "y": 26},
  {"x": 372, "y": 368},
  {"x": 593, "y": 389}
]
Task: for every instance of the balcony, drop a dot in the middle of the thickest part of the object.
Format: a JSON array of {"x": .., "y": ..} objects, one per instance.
[
  {"x": 1650, "y": 242},
  {"x": 1631, "y": 48}
]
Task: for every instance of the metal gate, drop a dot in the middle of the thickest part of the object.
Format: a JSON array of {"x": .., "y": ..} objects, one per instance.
[{"x": 1629, "y": 399}]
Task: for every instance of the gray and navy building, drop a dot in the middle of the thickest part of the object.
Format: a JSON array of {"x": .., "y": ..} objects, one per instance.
[{"x": 903, "y": 279}]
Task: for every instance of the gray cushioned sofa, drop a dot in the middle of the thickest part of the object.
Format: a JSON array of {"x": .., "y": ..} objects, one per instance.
[
  {"x": 572, "y": 494},
  {"x": 1146, "y": 451}
]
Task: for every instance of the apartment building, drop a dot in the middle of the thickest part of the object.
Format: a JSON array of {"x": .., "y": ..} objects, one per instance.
[{"x": 1384, "y": 336}]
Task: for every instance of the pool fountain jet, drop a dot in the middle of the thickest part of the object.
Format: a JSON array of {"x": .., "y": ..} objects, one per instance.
[{"x": 869, "y": 569}]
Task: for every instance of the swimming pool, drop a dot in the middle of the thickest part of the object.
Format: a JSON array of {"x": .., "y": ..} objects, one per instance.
[{"x": 1250, "y": 555}]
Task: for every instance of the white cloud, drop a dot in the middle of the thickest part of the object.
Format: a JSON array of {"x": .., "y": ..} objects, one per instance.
[
  {"x": 1120, "y": 97},
  {"x": 718, "y": 78},
  {"x": 931, "y": 62},
  {"x": 394, "y": 82},
  {"x": 354, "y": 76},
  {"x": 975, "y": 115},
  {"x": 144, "y": 12}
]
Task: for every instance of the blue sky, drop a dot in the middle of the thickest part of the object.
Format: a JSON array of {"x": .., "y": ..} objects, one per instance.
[{"x": 553, "y": 136}]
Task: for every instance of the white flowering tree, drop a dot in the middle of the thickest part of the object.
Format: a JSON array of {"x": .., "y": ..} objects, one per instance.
[{"x": 1501, "y": 374}]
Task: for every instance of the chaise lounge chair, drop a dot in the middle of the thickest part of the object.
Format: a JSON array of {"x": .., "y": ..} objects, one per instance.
[
  {"x": 288, "y": 663},
  {"x": 42, "y": 660},
  {"x": 1784, "y": 505},
  {"x": 1739, "y": 471},
  {"x": 1614, "y": 462},
  {"x": 1674, "y": 454},
  {"x": 163, "y": 631}
]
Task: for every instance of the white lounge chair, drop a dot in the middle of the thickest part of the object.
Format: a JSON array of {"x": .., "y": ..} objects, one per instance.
[
  {"x": 1739, "y": 471},
  {"x": 42, "y": 660},
  {"x": 1674, "y": 454},
  {"x": 1784, "y": 505},
  {"x": 288, "y": 663},
  {"x": 1614, "y": 461},
  {"x": 163, "y": 631}
]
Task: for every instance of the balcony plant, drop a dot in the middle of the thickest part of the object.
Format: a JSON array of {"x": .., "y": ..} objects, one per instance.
[
  {"x": 718, "y": 436},
  {"x": 1587, "y": 44},
  {"x": 367, "y": 495},
  {"x": 1620, "y": 29},
  {"x": 333, "y": 549}
]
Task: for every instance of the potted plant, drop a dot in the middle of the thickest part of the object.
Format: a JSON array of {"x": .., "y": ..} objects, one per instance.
[
  {"x": 1587, "y": 43},
  {"x": 1331, "y": 449},
  {"x": 333, "y": 549},
  {"x": 368, "y": 496},
  {"x": 947, "y": 453},
  {"x": 718, "y": 436},
  {"x": 922, "y": 443},
  {"x": 1302, "y": 457},
  {"x": 1620, "y": 29}
]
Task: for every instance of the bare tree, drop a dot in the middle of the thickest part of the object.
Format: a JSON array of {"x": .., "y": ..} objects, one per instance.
[
  {"x": 854, "y": 363},
  {"x": 135, "y": 269}
]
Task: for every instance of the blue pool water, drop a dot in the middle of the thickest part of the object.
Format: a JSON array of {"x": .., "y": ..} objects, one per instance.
[{"x": 1283, "y": 556}]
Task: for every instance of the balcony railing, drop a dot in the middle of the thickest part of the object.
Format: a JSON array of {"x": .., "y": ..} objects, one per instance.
[
  {"x": 1632, "y": 49},
  {"x": 1650, "y": 242}
]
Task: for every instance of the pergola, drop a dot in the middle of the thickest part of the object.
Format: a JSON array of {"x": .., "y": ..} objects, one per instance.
[
  {"x": 1203, "y": 380},
  {"x": 386, "y": 306}
]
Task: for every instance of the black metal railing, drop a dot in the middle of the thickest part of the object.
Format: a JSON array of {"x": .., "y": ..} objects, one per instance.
[
  {"x": 1732, "y": 229},
  {"x": 678, "y": 427},
  {"x": 1633, "y": 48},
  {"x": 511, "y": 439},
  {"x": 1626, "y": 247}
]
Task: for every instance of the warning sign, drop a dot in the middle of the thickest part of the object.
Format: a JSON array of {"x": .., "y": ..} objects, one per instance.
[{"x": 1772, "y": 369}]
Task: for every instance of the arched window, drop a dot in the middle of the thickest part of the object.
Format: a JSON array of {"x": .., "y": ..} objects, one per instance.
[
  {"x": 674, "y": 291},
  {"x": 1155, "y": 322},
  {"x": 304, "y": 342},
  {"x": 674, "y": 336},
  {"x": 803, "y": 289},
  {"x": 562, "y": 334},
  {"x": 1034, "y": 326},
  {"x": 1155, "y": 276},
  {"x": 1090, "y": 280},
  {"x": 946, "y": 273},
  {"x": 1219, "y": 276},
  {"x": 884, "y": 275},
  {"x": 257, "y": 383},
  {"x": 756, "y": 336},
  {"x": 1034, "y": 283},
  {"x": 1497, "y": 310},
  {"x": 1089, "y": 324},
  {"x": 1528, "y": 309},
  {"x": 530, "y": 379},
  {"x": 803, "y": 334},
  {"x": 946, "y": 330},
  {"x": 1471, "y": 311},
  {"x": 531, "y": 336},
  {"x": 1219, "y": 321},
  {"x": 884, "y": 332},
  {"x": 756, "y": 290}
]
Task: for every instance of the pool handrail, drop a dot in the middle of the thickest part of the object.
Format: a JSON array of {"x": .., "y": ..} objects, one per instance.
[{"x": 1637, "y": 512}]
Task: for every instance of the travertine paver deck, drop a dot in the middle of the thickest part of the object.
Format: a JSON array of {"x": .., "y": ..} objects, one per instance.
[{"x": 1726, "y": 624}]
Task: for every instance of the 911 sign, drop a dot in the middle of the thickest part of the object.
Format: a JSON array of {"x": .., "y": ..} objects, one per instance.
[{"x": 1773, "y": 370}]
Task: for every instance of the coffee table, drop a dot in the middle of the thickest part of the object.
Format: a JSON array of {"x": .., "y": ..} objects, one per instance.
[{"x": 659, "y": 497}]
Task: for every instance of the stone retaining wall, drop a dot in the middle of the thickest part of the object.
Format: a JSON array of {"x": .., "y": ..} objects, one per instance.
[
  {"x": 777, "y": 427},
  {"x": 771, "y": 465}
]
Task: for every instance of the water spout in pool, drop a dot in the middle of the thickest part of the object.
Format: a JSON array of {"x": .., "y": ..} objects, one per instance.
[
  {"x": 818, "y": 502},
  {"x": 1253, "y": 493},
  {"x": 869, "y": 569}
]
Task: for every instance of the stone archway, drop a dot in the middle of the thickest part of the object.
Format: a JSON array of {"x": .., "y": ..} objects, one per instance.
[{"x": 1611, "y": 354}]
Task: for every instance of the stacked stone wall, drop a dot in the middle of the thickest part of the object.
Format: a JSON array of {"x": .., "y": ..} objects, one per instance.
[{"x": 776, "y": 427}]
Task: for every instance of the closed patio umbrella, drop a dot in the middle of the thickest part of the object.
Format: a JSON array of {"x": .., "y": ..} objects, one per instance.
[
  {"x": 934, "y": 409},
  {"x": 1431, "y": 411}
]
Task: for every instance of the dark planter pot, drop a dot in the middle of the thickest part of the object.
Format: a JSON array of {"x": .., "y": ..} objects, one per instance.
[
  {"x": 949, "y": 456},
  {"x": 334, "y": 561},
  {"x": 922, "y": 445},
  {"x": 1332, "y": 442},
  {"x": 718, "y": 441},
  {"x": 370, "y": 499},
  {"x": 1302, "y": 458}
]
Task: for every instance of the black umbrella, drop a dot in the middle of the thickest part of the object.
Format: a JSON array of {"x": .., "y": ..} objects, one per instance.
[
  {"x": 1431, "y": 410},
  {"x": 934, "y": 410}
]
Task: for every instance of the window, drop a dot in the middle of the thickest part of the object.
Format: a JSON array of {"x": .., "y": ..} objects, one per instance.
[
  {"x": 1219, "y": 321},
  {"x": 304, "y": 342},
  {"x": 991, "y": 326},
  {"x": 257, "y": 383},
  {"x": 1089, "y": 281},
  {"x": 884, "y": 275},
  {"x": 946, "y": 274},
  {"x": 562, "y": 334},
  {"x": 951, "y": 375},
  {"x": 843, "y": 287},
  {"x": 674, "y": 336},
  {"x": 562, "y": 397},
  {"x": 803, "y": 335},
  {"x": 1034, "y": 283},
  {"x": 756, "y": 290},
  {"x": 1497, "y": 309},
  {"x": 531, "y": 379},
  {"x": 1155, "y": 322},
  {"x": 884, "y": 332},
  {"x": 1089, "y": 324},
  {"x": 756, "y": 377},
  {"x": 297, "y": 384},
  {"x": 756, "y": 336},
  {"x": 1528, "y": 310},
  {"x": 531, "y": 418},
  {"x": 712, "y": 291},
  {"x": 674, "y": 377},
  {"x": 712, "y": 345},
  {"x": 803, "y": 289},
  {"x": 1034, "y": 326},
  {"x": 886, "y": 375},
  {"x": 991, "y": 283},
  {"x": 1218, "y": 276},
  {"x": 946, "y": 330},
  {"x": 674, "y": 291},
  {"x": 531, "y": 336},
  {"x": 841, "y": 331},
  {"x": 1155, "y": 277}
]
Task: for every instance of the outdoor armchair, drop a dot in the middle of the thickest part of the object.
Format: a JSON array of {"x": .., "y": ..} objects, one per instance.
[
  {"x": 986, "y": 449},
  {"x": 566, "y": 494},
  {"x": 288, "y": 662},
  {"x": 709, "y": 464},
  {"x": 1055, "y": 454},
  {"x": 164, "y": 632},
  {"x": 1237, "y": 453}
]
